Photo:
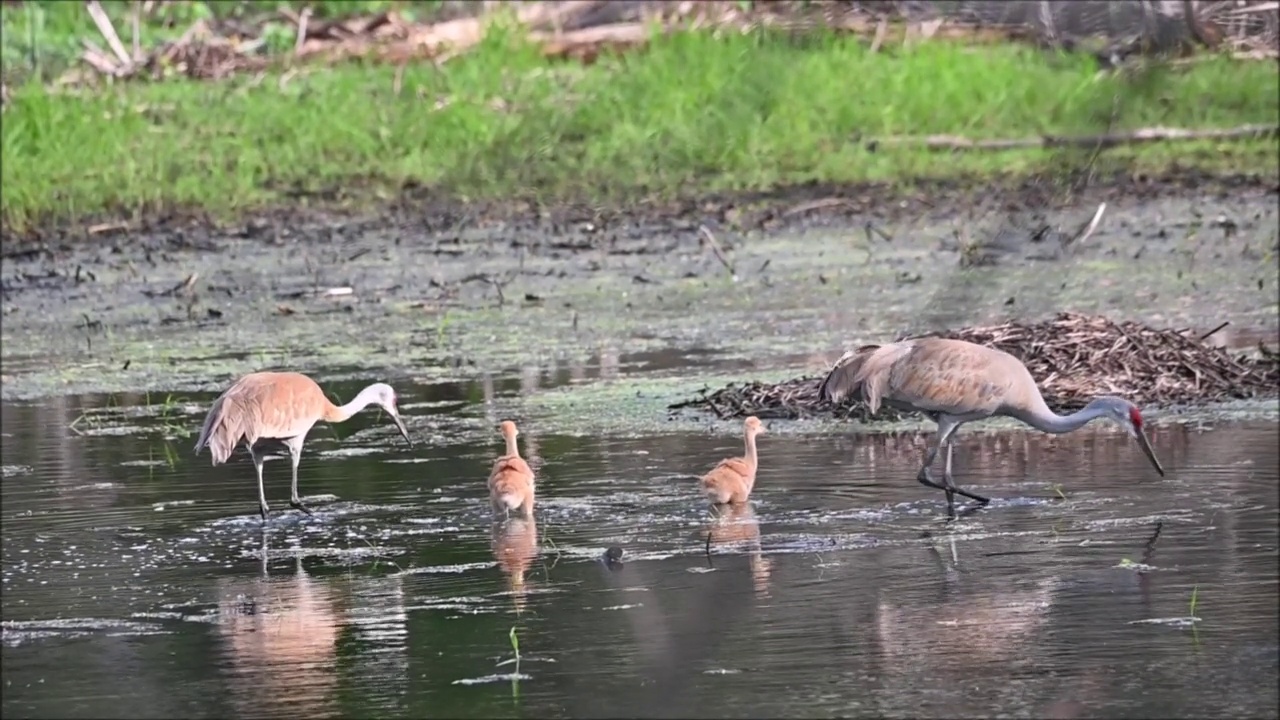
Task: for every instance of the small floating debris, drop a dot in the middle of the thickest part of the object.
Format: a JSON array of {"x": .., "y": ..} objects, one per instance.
[
  {"x": 504, "y": 677},
  {"x": 1187, "y": 621},
  {"x": 1073, "y": 358},
  {"x": 1137, "y": 567}
]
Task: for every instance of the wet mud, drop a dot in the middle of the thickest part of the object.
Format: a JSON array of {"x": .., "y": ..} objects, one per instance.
[{"x": 744, "y": 288}]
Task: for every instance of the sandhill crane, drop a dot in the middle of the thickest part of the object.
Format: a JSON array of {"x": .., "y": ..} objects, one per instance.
[
  {"x": 730, "y": 481},
  {"x": 955, "y": 382},
  {"x": 278, "y": 409},
  {"x": 511, "y": 479}
]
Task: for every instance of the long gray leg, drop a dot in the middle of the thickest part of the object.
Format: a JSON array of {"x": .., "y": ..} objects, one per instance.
[
  {"x": 262, "y": 490},
  {"x": 946, "y": 472},
  {"x": 295, "y": 457},
  {"x": 945, "y": 428}
]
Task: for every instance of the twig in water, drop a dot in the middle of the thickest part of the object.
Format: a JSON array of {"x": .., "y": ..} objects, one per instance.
[
  {"x": 491, "y": 280},
  {"x": 1202, "y": 337},
  {"x": 710, "y": 240},
  {"x": 1087, "y": 230}
]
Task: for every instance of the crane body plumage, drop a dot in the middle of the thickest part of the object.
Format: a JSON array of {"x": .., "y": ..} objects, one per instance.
[
  {"x": 511, "y": 481},
  {"x": 267, "y": 409},
  {"x": 955, "y": 382}
]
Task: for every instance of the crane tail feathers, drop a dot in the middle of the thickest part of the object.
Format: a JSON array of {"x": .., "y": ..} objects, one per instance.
[
  {"x": 845, "y": 377},
  {"x": 220, "y": 433}
]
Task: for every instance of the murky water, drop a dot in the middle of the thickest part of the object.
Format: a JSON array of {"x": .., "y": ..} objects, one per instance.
[{"x": 139, "y": 582}]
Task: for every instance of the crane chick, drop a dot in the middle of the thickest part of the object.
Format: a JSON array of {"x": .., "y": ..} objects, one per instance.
[
  {"x": 511, "y": 480},
  {"x": 730, "y": 481}
]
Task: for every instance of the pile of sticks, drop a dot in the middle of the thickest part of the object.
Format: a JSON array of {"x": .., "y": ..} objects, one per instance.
[{"x": 1073, "y": 358}]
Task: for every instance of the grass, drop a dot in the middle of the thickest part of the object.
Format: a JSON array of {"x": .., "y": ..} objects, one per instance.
[{"x": 695, "y": 112}]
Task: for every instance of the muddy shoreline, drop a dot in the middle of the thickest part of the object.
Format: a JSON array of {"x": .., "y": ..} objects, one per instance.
[{"x": 430, "y": 290}]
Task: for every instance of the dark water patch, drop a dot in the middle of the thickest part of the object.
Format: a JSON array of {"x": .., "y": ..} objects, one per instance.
[{"x": 138, "y": 583}]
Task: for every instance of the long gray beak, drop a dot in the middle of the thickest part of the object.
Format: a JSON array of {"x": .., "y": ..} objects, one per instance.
[
  {"x": 404, "y": 432},
  {"x": 1146, "y": 449}
]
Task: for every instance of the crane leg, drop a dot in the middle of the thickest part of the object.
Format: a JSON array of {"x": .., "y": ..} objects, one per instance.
[
  {"x": 258, "y": 460},
  {"x": 926, "y": 478},
  {"x": 950, "y": 482},
  {"x": 295, "y": 457},
  {"x": 946, "y": 431}
]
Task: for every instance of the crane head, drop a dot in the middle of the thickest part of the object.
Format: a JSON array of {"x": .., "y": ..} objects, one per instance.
[
  {"x": 508, "y": 429},
  {"x": 384, "y": 396},
  {"x": 754, "y": 426},
  {"x": 1128, "y": 416}
]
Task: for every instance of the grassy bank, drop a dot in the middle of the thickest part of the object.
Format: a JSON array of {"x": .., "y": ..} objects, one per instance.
[{"x": 691, "y": 112}]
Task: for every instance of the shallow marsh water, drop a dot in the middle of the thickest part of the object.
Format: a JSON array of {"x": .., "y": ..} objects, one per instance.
[{"x": 138, "y": 581}]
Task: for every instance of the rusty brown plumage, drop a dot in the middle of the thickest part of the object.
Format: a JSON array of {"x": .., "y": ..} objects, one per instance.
[
  {"x": 511, "y": 482},
  {"x": 954, "y": 382},
  {"x": 515, "y": 547},
  {"x": 280, "y": 408},
  {"x": 731, "y": 480}
]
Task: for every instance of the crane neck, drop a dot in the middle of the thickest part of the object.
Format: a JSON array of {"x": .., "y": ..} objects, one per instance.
[
  {"x": 750, "y": 455},
  {"x": 342, "y": 413},
  {"x": 1046, "y": 420},
  {"x": 512, "y": 448}
]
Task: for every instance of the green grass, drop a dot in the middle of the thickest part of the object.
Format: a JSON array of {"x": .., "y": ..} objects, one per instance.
[{"x": 694, "y": 112}]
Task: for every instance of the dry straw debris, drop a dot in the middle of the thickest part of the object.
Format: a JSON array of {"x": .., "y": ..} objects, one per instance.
[
  {"x": 583, "y": 29},
  {"x": 1073, "y": 357}
]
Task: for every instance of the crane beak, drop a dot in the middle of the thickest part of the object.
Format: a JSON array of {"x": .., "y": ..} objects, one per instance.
[
  {"x": 395, "y": 417},
  {"x": 1146, "y": 450}
]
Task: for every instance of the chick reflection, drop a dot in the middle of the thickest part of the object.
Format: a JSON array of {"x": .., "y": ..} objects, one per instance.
[
  {"x": 737, "y": 524},
  {"x": 515, "y": 546},
  {"x": 281, "y": 633}
]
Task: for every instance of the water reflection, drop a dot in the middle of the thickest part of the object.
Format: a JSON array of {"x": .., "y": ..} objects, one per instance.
[
  {"x": 515, "y": 546},
  {"x": 281, "y": 637},
  {"x": 737, "y": 525}
]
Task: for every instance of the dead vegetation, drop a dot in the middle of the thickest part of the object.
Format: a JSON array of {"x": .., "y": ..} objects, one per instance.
[
  {"x": 1073, "y": 357},
  {"x": 583, "y": 29}
]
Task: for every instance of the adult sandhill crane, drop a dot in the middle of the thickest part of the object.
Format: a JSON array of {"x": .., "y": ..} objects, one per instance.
[
  {"x": 278, "y": 409},
  {"x": 730, "y": 481},
  {"x": 511, "y": 479},
  {"x": 955, "y": 382}
]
